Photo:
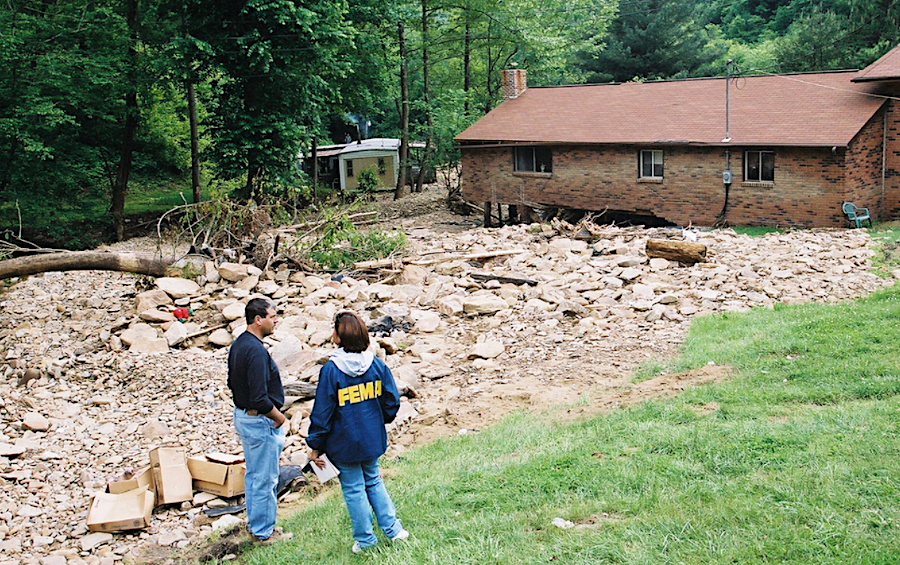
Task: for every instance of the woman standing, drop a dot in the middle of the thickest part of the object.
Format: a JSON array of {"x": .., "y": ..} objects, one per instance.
[{"x": 355, "y": 398}]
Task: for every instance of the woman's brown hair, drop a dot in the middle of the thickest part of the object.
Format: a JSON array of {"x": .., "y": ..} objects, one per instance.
[{"x": 352, "y": 332}]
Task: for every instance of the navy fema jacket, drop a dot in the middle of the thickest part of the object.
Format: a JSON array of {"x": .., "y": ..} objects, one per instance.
[{"x": 356, "y": 396}]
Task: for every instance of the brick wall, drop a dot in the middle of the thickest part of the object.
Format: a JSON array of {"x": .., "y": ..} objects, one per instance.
[
  {"x": 810, "y": 183},
  {"x": 892, "y": 158},
  {"x": 864, "y": 163}
]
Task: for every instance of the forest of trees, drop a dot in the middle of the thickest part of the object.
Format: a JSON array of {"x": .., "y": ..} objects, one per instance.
[{"x": 97, "y": 96}]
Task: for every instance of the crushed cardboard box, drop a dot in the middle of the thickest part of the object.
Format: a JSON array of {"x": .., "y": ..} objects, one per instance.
[
  {"x": 129, "y": 510},
  {"x": 142, "y": 478},
  {"x": 218, "y": 473},
  {"x": 171, "y": 475}
]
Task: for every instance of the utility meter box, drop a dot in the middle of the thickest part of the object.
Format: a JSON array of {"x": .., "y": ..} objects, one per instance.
[{"x": 726, "y": 176}]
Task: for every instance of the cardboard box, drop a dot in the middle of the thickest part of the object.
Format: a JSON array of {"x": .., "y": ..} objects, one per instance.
[
  {"x": 171, "y": 475},
  {"x": 142, "y": 478},
  {"x": 218, "y": 473},
  {"x": 117, "y": 512}
]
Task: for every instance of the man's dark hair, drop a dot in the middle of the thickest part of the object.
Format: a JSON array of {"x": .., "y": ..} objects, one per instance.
[
  {"x": 257, "y": 307},
  {"x": 352, "y": 331}
]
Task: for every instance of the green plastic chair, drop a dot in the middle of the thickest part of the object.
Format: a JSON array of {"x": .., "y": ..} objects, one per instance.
[{"x": 856, "y": 215}]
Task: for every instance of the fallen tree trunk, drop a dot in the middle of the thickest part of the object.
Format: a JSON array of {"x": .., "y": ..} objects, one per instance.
[
  {"x": 681, "y": 251},
  {"x": 141, "y": 264},
  {"x": 511, "y": 279}
]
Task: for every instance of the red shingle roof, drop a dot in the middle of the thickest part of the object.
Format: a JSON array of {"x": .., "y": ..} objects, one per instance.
[
  {"x": 885, "y": 68},
  {"x": 815, "y": 109}
]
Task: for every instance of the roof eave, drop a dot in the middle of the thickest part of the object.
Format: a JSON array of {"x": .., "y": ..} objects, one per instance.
[
  {"x": 489, "y": 144},
  {"x": 876, "y": 79}
]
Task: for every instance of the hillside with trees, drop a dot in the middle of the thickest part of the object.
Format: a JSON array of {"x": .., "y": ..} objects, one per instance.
[{"x": 106, "y": 101}]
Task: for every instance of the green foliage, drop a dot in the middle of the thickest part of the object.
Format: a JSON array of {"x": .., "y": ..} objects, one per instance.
[
  {"x": 662, "y": 40},
  {"x": 342, "y": 245},
  {"x": 269, "y": 73},
  {"x": 274, "y": 64},
  {"x": 809, "y": 44},
  {"x": 368, "y": 181}
]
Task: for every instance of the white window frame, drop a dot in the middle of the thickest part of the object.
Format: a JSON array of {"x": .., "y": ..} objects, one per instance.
[
  {"x": 656, "y": 159},
  {"x": 758, "y": 161},
  {"x": 349, "y": 168}
]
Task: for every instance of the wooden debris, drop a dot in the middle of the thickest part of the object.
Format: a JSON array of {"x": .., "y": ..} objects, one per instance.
[
  {"x": 395, "y": 261},
  {"x": 300, "y": 389},
  {"x": 681, "y": 251},
  {"x": 511, "y": 279}
]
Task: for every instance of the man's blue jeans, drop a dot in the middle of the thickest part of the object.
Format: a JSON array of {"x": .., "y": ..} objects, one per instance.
[
  {"x": 362, "y": 486},
  {"x": 262, "y": 447}
]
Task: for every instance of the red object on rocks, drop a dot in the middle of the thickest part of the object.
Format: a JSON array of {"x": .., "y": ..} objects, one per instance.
[{"x": 182, "y": 313}]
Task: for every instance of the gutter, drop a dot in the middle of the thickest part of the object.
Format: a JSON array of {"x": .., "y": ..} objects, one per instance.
[{"x": 679, "y": 143}]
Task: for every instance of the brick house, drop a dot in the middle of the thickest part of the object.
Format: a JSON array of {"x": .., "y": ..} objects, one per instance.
[{"x": 797, "y": 146}]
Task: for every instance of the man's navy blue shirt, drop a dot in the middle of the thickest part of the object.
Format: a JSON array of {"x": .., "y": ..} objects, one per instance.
[{"x": 253, "y": 376}]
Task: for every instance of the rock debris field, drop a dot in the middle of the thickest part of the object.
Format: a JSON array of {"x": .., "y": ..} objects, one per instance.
[{"x": 96, "y": 371}]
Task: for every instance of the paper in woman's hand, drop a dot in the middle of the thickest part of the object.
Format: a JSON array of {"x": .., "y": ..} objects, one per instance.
[{"x": 328, "y": 472}]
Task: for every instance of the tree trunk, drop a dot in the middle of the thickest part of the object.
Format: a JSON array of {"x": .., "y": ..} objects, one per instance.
[
  {"x": 681, "y": 251},
  {"x": 429, "y": 125},
  {"x": 314, "y": 152},
  {"x": 195, "y": 142},
  {"x": 466, "y": 69},
  {"x": 253, "y": 187},
  {"x": 402, "y": 189},
  {"x": 131, "y": 117},
  {"x": 142, "y": 264},
  {"x": 489, "y": 99}
]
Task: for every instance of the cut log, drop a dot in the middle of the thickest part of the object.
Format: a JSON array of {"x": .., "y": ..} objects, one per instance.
[
  {"x": 141, "y": 264},
  {"x": 503, "y": 279},
  {"x": 681, "y": 251}
]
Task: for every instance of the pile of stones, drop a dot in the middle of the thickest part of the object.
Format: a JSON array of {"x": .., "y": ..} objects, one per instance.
[{"x": 96, "y": 370}]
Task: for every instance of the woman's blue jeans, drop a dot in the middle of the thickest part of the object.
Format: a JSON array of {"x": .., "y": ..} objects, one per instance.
[
  {"x": 362, "y": 487},
  {"x": 262, "y": 447}
]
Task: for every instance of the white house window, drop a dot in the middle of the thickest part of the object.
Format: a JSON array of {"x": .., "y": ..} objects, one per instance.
[
  {"x": 349, "y": 167},
  {"x": 652, "y": 163},
  {"x": 533, "y": 160},
  {"x": 759, "y": 166}
]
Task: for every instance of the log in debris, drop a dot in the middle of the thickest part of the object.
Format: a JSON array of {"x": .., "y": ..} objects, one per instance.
[
  {"x": 141, "y": 264},
  {"x": 392, "y": 261},
  {"x": 681, "y": 251},
  {"x": 300, "y": 389},
  {"x": 510, "y": 279}
]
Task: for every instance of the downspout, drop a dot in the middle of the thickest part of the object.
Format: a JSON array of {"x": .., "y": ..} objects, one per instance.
[{"x": 884, "y": 130}]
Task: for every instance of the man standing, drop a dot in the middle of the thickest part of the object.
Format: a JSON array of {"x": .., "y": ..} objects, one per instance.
[{"x": 256, "y": 388}]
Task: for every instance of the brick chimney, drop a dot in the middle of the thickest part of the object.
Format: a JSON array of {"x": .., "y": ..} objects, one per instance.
[{"x": 514, "y": 83}]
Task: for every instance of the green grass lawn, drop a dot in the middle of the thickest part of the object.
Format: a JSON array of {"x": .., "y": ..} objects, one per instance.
[{"x": 793, "y": 460}]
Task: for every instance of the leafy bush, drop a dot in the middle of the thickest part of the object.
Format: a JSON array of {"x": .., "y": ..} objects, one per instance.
[
  {"x": 368, "y": 180},
  {"x": 344, "y": 245}
]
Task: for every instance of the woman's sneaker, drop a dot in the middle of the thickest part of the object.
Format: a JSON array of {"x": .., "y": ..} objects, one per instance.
[{"x": 403, "y": 535}]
